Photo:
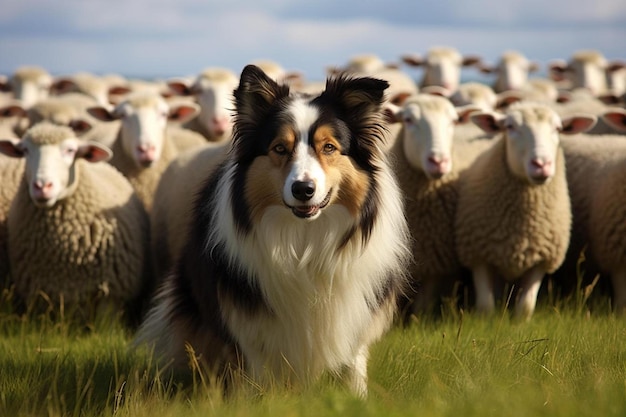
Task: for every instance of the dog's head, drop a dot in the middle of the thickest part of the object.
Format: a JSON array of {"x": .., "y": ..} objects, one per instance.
[{"x": 305, "y": 153}]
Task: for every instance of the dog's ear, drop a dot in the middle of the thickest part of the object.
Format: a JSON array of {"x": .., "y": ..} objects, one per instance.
[
  {"x": 256, "y": 94},
  {"x": 355, "y": 96}
]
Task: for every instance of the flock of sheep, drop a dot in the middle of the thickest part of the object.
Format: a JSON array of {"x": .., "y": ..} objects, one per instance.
[{"x": 505, "y": 182}]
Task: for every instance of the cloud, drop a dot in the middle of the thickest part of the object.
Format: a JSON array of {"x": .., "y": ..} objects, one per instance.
[{"x": 180, "y": 37}]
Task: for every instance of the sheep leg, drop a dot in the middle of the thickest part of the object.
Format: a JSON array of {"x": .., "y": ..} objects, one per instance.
[
  {"x": 483, "y": 284},
  {"x": 618, "y": 281},
  {"x": 355, "y": 376},
  {"x": 529, "y": 285}
]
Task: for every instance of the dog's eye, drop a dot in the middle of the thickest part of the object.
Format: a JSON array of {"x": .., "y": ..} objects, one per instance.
[
  {"x": 280, "y": 149},
  {"x": 329, "y": 148}
]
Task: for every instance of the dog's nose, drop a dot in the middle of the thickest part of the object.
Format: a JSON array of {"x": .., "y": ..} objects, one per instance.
[{"x": 303, "y": 190}]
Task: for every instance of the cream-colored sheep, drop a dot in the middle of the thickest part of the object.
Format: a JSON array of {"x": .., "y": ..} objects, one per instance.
[
  {"x": 585, "y": 69},
  {"x": 213, "y": 90},
  {"x": 70, "y": 109},
  {"x": 431, "y": 149},
  {"x": 511, "y": 71},
  {"x": 77, "y": 232},
  {"x": 598, "y": 165},
  {"x": 29, "y": 84},
  {"x": 442, "y": 66},
  {"x": 173, "y": 201},
  {"x": 514, "y": 217},
  {"x": 145, "y": 145}
]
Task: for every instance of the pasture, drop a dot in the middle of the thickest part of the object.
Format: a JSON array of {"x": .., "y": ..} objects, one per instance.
[{"x": 570, "y": 359}]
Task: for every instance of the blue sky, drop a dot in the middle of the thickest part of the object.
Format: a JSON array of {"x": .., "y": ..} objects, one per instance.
[{"x": 166, "y": 38}]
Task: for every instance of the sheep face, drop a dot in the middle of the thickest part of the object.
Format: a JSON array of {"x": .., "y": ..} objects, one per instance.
[
  {"x": 513, "y": 72},
  {"x": 143, "y": 130},
  {"x": 428, "y": 131},
  {"x": 532, "y": 144},
  {"x": 215, "y": 100},
  {"x": 50, "y": 172},
  {"x": 29, "y": 85}
]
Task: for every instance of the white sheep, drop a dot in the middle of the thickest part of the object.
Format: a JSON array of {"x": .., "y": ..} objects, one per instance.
[
  {"x": 511, "y": 71},
  {"x": 29, "y": 84},
  {"x": 145, "y": 144},
  {"x": 425, "y": 164},
  {"x": 85, "y": 83},
  {"x": 70, "y": 109},
  {"x": 213, "y": 89},
  {"x": 513, "y": 216},
  {"x": 442, "y": 66},
  {"x": 607, "y": 214},
  {"x": 595, "y": 167},
  {"x": 585, "y": 69},
  {"x": 174, "y": 198},
  {"x": 77, "y": 232}
]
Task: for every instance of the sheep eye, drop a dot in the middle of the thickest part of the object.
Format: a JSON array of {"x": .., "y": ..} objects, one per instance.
[
  {"x": 280, "y": 149},
  {"x": 408, "y": 120},
  {"x": 329, "y": 148}
]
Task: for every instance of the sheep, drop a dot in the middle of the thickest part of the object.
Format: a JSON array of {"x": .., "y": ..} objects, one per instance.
[
  {"x": 77, "y": 232},
  {"x": 423, "y": 162},
  {"x": 590, "y": 161},
  {"x": 84, "y": 83},
  {"x": 513, "y": 215},
  {"x": 11, "y": 173},
  {"x": 442, "y": 66},
  {"x": 29, "y": 84},
  {"x": 606, "y": 215},
  {"x": 70, "y": 109},
  {"x": 585, "y": 69},
  {"x": 173, "y": 200},
  {"x": 145, "y": 145},
  {"x": 213, "y": 89},
  {"x": 430, "y": 152},
  {"x": 511, "y": 71},
  {"x": 475, "y": 93}
]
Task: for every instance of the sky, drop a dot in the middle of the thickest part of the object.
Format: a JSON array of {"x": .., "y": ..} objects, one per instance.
[{"x": 172, "y": 38}]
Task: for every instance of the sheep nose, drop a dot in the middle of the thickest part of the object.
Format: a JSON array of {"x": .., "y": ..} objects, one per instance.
[
  {"x": 303, "y": 190},
  {"x": 40, "y": 185},
  {"x": 540, "y": 163}
]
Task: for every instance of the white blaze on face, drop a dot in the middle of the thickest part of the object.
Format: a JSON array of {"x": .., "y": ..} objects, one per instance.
[{"x": 305, "y": 167}]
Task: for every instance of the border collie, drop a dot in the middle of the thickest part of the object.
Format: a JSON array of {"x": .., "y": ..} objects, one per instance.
[{"x": 298, "y": 242}]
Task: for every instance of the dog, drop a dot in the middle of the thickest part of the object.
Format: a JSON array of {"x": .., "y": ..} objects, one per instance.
[{"x": 298, "y": 244}]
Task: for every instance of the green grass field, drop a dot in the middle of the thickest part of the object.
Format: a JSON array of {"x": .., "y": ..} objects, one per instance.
[{"x": 567, "y": 361}]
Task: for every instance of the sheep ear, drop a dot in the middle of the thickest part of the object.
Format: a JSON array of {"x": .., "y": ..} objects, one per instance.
[
  {"x": 471, "y": 60},
  {"x": 413, "y": 60},
  {"x": 102, "y": 113},
  {"x": 12, "y": 110},
  {"x": 557, "y": 70},
  {"x": 488, "y": 122},
  {"x": 399, "y": 98},
  {"x": 616, "y": 118},
  {"x": 179, "y": 88},
  {"x": 80, "y": 126},
  {"x": 577, "y": 124},
  {"x": 12, "y": 148},
  {"x": 183, "y": 112},
  {"x": 62, "y": 86},
  {"x": 94, "y": 152},
  {"x": 486, "y": 69},
  {"x": 464, "y": 112}
]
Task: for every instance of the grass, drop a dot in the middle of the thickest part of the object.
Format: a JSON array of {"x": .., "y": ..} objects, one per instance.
[{"x": 566, "y": 361}]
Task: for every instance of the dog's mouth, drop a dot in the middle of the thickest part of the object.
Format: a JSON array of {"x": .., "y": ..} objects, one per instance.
[{"x": 306, "y": 212}]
